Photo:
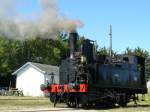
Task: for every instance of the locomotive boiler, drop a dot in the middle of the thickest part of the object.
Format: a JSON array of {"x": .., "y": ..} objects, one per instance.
[{"x": 88, "y": 79}]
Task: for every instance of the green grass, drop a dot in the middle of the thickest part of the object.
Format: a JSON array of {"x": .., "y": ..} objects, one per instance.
[
  {"x": 142, "y": 106},
  {"x": 23, "y": 102},
  {"x": 147, "y": 98},
  {"x": 18, "y": 103}
]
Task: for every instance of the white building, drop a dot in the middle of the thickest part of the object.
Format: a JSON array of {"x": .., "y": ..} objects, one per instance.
[
  {"x": 148, "y": 86},
  {"x": 30, "y": 76}
]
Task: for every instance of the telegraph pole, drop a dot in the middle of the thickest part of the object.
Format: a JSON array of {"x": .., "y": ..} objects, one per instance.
[{"x": 110, "y": 36}]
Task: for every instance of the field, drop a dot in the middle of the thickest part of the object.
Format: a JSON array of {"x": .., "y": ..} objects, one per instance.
[
  {"x": 41, "y": 104},
  {"x": 12, "y": 102}
]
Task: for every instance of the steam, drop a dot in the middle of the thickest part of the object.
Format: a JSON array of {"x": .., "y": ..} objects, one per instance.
[{"x": 46, "y": 24}]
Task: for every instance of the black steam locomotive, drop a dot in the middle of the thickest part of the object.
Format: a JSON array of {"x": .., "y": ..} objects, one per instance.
[{"x": 88, "y": 79}]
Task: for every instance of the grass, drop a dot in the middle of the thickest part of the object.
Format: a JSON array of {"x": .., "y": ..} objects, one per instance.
[
  {"x": 18, "y": 103},
  {"x": 147, "y": 98},
  {"x": 12, "y": 102},
  {"x": 142, "y": 106}
]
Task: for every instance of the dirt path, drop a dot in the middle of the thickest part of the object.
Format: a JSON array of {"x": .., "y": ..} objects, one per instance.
[
  {"x": 140, "y": 108},
  {"x": 51, "y": 109}
]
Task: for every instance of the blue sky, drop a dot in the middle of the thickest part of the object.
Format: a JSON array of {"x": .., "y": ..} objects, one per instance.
[{"x": 130, "y": 20}]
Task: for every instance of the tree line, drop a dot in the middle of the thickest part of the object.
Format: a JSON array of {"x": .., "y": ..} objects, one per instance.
[{"x": 15, "y": 53}]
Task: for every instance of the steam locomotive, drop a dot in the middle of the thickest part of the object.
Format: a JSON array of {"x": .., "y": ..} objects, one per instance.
[{"x": 88, "y": 79}]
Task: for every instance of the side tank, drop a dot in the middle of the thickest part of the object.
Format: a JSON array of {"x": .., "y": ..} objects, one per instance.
[{"x": 125, "y": 72}]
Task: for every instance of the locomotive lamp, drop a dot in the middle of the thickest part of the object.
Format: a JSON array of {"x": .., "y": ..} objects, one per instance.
[{"x": 83, "y": 59}]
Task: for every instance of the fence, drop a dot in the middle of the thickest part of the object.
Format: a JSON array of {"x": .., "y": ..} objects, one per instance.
[{"x": 5, "y": 91}]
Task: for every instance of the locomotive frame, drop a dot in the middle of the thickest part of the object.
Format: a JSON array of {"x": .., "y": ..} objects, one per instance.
[{"x": 88, "y": 79}]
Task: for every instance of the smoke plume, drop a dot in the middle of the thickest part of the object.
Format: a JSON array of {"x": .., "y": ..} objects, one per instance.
[{"x": 45, "y": 24}]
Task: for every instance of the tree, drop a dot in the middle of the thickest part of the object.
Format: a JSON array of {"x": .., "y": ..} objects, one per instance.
[
  {"x": 15, "y": 53},
  {"x": 8, "y": 50},
  {"x": 128, "y": 51},
  {"x": 103, "y": 51},
  {"x": 137, "y": 52}
]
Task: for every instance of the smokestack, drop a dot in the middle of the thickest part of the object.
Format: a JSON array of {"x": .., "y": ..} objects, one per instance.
[{"x": 73, "y": 35}]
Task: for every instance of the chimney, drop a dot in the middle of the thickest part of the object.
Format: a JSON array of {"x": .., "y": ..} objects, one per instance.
[{"x": 73, "y": 43}]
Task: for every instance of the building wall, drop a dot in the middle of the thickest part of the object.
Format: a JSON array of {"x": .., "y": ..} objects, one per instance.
[
  {"x": 29, "y": 80},
  {"x": 148, "y": 86}
]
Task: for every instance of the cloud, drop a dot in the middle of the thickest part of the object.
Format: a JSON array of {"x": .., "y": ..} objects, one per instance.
[{"x": 47, "y": 23}]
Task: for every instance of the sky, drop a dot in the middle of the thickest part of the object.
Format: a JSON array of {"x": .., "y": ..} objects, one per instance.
[{"x": 130, "y": 20}]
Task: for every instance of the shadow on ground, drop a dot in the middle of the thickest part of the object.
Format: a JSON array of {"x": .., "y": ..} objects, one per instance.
[
  {"x": 63, "y": 108},
  {"x": 99, "y": 107}
]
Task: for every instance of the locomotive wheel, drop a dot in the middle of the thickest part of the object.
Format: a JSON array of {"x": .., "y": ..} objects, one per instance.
[
  {"x": 72, "y": 104},
  {"x": 123, "y": 101},
  {"x": 84, "y": 101},
  {"x": 72, "y": 101},
  {"x": 52, "y": 97}
]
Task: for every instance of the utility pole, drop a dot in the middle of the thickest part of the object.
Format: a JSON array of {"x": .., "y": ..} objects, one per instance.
[{"x": 110, "y": 36}]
